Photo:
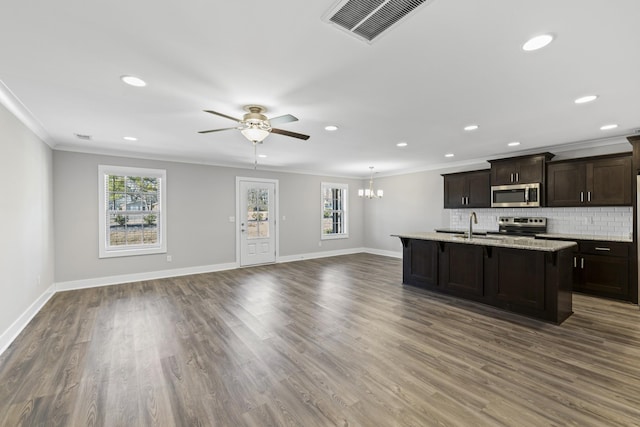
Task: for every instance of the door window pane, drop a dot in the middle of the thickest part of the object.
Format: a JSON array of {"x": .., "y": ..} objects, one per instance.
[{"x": 258, "y": 213}]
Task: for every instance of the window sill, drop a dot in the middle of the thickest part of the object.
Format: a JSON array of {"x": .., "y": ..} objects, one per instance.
[
  {"x": 334, "y": 236},
  {"x": 130, "y": 252}
]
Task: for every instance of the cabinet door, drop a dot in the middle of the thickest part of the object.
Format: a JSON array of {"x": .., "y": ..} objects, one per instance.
[
  {"x": 530, "y": 170},
  {"x": 609, "y": 182},
  {"x": 503, "y": 172},
  {"x": 455, "y": 191},
  {"x": 422, "y": 266},
  {"x": 479, "y": 187},
  {"x": 605, "y": 275},
  {"x": 461, "y": 269},
  {"x": 565, "y": 184},
  {"x": 520, "y": 278}
]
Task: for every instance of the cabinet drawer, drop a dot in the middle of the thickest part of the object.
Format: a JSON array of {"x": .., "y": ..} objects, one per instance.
[{"x": 598, "y": 247}]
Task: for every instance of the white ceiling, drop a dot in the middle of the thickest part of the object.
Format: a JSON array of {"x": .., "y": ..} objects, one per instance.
[{"x": 450, "y": 64}]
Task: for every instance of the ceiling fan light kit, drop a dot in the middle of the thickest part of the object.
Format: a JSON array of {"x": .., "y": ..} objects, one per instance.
[{"x": 255, "y": 126}]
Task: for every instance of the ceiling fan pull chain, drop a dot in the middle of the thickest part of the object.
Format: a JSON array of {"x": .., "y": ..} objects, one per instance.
[{"x": 255, "y": 156}]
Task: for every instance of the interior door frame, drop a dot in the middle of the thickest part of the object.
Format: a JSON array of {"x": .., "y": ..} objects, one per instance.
[{"x": 276, "y": 206}]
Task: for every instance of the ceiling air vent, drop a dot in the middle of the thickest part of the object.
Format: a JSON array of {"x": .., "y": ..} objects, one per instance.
[
  {"x": 81, "y": 136},
  {"x": 367, "y": 19}
]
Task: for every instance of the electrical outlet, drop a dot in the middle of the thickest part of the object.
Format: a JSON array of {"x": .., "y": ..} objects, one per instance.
[
  {"x": 320, "y": 243},
  {"x": 169, "y": 258},
  {"x": 232, "y": 219}
]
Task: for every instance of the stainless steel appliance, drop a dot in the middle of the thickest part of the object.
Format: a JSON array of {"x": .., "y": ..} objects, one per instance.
[
  {"x": 515, "y": 195},
  {"x": 520, "y": 226}
]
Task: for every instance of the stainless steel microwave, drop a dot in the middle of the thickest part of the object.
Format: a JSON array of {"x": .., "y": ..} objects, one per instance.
[{"x": 515, "y": 195}]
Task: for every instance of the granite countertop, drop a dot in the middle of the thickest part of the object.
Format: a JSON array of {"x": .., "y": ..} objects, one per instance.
[
  {"x": 479, "y": 232},
  {"x": 585, "y": 237},
  {"x": 559, "y": 236},
  {"x": 498, "y": 241}
]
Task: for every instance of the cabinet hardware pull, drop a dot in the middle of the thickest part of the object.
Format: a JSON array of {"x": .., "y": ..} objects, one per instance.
[
  {"x": 588, "y": 196},
  {"x": 467, "y": 199},
  {"x": 602, "y": 249},
  {"x": 575, "y": 262},
  {"x": 511, "y": 177},
  {"x": 582, "y": 263},
  {"x": 582, "y": 196},
  {"x": 517, "y": 176},
  {"x": 463, "y": 200}
]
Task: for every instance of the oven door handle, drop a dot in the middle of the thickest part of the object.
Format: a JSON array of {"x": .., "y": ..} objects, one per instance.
[{"x": 526, "y": 195}]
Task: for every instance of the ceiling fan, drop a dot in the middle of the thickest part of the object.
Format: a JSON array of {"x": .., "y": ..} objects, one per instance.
[{"x": 255, "y": 126}]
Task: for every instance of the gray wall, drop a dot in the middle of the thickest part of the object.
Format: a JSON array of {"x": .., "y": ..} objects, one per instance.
[
  {"x": 200, "y": 200},
  {"x": 26, "y": 219},
  {"x": 412, "y": 202}
]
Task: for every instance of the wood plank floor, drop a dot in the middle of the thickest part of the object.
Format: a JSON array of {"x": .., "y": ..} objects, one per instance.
[{"x": 335, "y": 341}]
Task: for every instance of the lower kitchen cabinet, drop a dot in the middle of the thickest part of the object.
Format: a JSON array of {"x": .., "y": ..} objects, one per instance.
[
  {"x": 530, "y": 282},
  {"x": 422, "y": 266},
  {"x": 602, "y": 268},
  {"x": 516, "y": 276},
  {"x": 462, "y": 269}
]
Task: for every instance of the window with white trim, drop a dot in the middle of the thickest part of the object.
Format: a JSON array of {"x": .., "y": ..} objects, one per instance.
[
  {"x": 132, "y": 211},
  {"x": 334, "y": 221}
]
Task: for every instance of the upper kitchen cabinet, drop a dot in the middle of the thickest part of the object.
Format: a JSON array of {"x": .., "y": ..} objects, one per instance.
[
  {"x": 593, "y": 181},
  {"x": 519, "y": 170},
  {"x": 467, "y": 190}
]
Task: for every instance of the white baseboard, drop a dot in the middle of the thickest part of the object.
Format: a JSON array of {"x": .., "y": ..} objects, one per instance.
[
  {"x": 138, "y": 277},
  {"x": 21, "y": 322},
  {"x": 391, "y": 254},
  {"x": 323, "y": 254}
]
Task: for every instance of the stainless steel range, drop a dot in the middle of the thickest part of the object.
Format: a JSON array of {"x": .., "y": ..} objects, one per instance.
[{"x": 520, "y": 226}]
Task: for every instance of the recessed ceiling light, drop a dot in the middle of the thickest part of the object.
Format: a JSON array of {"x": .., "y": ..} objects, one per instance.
[
  {"x": 449, "y": 155},
  {"x": 331, "y": 128},
  {"x": 471, "y": 127},
  {"x": 585, "y": 99},
  {"x": 513, "y": 144},
  {"x": 608, "y": 127},
  {"x": 133, "y": 81},
  {"x": 130, "y": 138},
  {"x": 537, "y": 42},
  {"x": 401, "y": 144},
  {"x": 262, "y": 156}
]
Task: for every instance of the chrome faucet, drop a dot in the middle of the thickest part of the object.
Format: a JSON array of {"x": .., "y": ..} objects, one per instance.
[{"x": 472, "y": 218}]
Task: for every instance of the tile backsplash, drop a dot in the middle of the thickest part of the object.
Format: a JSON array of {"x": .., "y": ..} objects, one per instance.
[{"x": 596, "y": 221}]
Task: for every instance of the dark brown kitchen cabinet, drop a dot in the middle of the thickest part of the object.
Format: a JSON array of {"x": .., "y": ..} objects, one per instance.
[
  {"x": 594, "y": 181},
  {"x": 421, "y": 268},
  {"x": 519, "y": 170},
  {"x": 517, "y": 275},
  {"x": 467, "y": 190},
  {"x": 602, "y": 268},
  {"x": 530, "y": 282},
  {"x": 462, "y": 270}
]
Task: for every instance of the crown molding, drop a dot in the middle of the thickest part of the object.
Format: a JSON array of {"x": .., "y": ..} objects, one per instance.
[{"x": 22, "y": 113}]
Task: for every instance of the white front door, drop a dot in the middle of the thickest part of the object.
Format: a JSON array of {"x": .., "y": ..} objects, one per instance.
[{"x": 257, "y": 221}]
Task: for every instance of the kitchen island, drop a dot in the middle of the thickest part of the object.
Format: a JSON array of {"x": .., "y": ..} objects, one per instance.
[{"x": 523, "y": 275}]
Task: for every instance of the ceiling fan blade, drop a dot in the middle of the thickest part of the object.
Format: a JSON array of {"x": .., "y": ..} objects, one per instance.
[
  {"x": 216, "y": 130},
  {"x": 282, "y": 119},
  {"x": 222, "y": 115},
  {"x": 289, "y": 133}
]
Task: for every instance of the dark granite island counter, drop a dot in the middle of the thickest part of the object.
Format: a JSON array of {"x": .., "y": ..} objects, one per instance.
[{"x": 526, "y": 276}]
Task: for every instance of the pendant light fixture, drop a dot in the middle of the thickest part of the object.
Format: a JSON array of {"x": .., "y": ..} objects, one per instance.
[{"x": 370, "y": 193}]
